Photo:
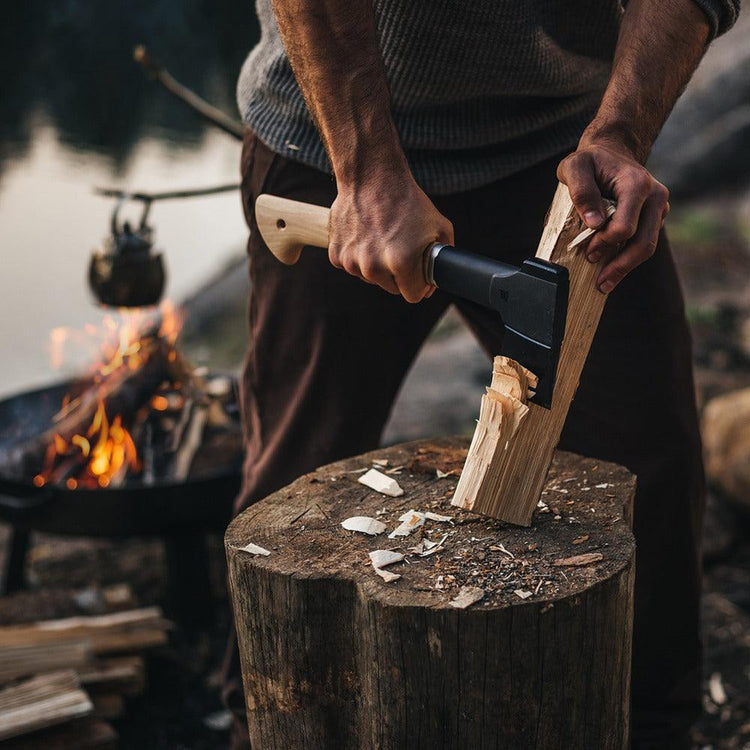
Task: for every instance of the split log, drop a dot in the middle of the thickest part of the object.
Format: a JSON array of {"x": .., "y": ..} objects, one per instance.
[
  {"x": 333, "y": 656},
  {"x": 511, "y": 479},
  {"x": 81, "y": 734},
  {"x": 125, "y": 675},
  {"x": 29, "y": 659},
  {"x": 121, "y": 632},
  {"x": 40, "y": 702},
  {"x": 108, "y": 705}
]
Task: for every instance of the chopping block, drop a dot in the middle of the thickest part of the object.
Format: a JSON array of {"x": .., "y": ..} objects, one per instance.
[{"x": 483, "y": 635}]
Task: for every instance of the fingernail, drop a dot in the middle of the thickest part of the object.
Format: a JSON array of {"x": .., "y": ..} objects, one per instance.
[
  {"x": 594, "y": 257},
  {"x": 593, "y": 219},
  {"x": 606, "y": 287}
]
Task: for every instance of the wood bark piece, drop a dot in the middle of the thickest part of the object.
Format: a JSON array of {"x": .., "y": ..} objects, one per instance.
[
  {"x": 508, "y": 485},
  {"x": 41, "y": 702},
  {"x": 334, "y": 657}
]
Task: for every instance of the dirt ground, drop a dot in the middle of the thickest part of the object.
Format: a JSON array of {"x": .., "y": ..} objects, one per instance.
[{"x": 181, "y": 708}]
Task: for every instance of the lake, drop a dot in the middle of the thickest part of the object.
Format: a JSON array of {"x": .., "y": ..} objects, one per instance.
[{"x": 76, "y": 113}]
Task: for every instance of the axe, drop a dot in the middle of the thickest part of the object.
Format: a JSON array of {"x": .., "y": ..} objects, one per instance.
[{"x": 531, "y": 300}]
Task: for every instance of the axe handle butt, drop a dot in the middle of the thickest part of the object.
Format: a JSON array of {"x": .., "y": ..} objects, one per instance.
[{"x": 287, "y": 226}]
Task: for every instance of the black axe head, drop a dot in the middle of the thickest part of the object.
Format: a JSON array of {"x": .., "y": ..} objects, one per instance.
[{"x": 532, "y": 301}]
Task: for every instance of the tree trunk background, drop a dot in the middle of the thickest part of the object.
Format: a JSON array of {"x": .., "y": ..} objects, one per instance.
[{"x": 334, "y": 657}]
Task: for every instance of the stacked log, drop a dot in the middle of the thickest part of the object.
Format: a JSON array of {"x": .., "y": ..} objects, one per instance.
[{"x": 59, "y": 679}]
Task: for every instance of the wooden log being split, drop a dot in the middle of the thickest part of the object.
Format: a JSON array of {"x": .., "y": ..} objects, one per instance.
[
  {"x": 505, "y": 479},
  {"x": 486, "y": 636},
  {"x": 42, "y": 702}
]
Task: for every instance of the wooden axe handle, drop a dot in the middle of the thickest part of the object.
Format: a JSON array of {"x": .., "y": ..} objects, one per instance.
[{"x": 287, "y": 226}]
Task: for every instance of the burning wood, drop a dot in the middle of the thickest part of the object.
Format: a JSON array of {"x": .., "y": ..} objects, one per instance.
[{"x": 142, "y": 412}]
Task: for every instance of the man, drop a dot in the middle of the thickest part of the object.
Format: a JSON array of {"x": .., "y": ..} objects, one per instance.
[{"x": 425, "y": 120}]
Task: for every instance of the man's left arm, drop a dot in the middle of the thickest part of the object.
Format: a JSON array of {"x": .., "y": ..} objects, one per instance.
[{"x": 660, "y": 44}]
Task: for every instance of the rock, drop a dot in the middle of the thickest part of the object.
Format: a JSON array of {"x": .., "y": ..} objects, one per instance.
[
  {"x": 704, "y": 143},
  {"x": 726, "y": 440}
]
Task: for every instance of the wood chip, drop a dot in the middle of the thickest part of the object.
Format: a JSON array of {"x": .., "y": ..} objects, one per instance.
[
  {"x": 522, "y": 594},
  {"x": 382, "y": 483},
  {"x": 716, "y": 689},
  {"x": 579, "y": 560},
  {"x": 364, "y": 524},
  {"x": 581, "y": 539},
  {"x": 437, "y": 517},
  {"x": 427, "y": 547},
  {"x": 380, "y": 558},
  {"x": 467, "y": 596},
  {"x": 254, "y": 549},
  {"x": 501, "y": 548},
  {"x": 386, "y": 575},
  {"x": 410, "y": 521}
]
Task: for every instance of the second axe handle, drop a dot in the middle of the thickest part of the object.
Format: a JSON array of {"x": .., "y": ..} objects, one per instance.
[{"x": 287, "y": 226}]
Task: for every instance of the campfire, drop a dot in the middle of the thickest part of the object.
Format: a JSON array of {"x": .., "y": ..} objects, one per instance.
[{"x": 140, "y": 413}]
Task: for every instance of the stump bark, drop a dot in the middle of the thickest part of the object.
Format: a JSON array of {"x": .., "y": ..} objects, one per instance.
[{"x": 334, "y": 657}]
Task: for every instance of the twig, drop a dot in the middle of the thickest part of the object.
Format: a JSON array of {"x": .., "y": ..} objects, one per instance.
[
  {"x": 169, "y": 195},
  {"x": 207, "y": 111}
]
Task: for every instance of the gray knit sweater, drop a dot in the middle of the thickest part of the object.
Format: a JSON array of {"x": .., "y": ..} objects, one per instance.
[{"x": 479, "y": 88}]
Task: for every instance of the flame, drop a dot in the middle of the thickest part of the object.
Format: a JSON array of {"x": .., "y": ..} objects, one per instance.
[
  {"x": 160, "y": 403},
  {"x": 106, "y": 452},
  {"x": 108, "y": 446}
]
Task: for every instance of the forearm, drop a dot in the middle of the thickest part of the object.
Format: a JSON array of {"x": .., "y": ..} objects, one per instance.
[
  {"x": 660, "y": 44},
  {"x": 333, "y": 49}
]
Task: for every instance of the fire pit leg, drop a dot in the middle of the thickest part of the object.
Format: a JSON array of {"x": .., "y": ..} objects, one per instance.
[{"x": 15, "y": 561}]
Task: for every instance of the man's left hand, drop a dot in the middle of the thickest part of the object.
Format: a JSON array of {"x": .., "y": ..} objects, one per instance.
[{"x": 609, "y": 169}]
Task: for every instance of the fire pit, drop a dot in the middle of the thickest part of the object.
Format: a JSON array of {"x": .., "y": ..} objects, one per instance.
[
  {"x": 136, "y": 507},
  {"x": 142, "y": 445}
]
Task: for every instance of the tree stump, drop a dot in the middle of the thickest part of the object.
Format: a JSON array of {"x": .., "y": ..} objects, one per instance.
[{"x": 333, "y": 657}]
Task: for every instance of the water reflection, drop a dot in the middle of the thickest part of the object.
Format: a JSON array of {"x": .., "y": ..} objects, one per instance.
[{"x": 70, "y": 63}]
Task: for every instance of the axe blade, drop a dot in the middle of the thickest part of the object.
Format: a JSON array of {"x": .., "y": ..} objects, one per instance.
[{"x": 531, "y": 300}]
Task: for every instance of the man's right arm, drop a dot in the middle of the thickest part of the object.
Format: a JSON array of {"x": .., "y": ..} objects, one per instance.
[{"x": 381, "y": 221}]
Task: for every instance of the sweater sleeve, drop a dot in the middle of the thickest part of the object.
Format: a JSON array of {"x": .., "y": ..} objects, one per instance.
[{"x": 721, "y": 14}]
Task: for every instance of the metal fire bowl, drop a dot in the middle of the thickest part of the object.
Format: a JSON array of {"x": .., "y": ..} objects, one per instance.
[{"x": 200, "y": 503}]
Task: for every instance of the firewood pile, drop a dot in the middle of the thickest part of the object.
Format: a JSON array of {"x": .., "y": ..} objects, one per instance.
[{"x": 61, "y": 680}]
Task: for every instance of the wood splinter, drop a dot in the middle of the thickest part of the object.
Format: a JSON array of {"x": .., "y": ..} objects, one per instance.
[{"x": 502, "y": 411}]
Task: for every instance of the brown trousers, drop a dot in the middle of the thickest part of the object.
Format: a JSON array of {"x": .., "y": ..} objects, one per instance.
[{"x": 319, "y": 338}]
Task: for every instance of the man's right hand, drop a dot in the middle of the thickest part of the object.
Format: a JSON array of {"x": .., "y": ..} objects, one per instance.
[{"x": 379, "y": 229}]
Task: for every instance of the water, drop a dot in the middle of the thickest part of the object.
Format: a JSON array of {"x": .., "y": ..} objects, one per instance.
[{"x": 76, "y": 112}]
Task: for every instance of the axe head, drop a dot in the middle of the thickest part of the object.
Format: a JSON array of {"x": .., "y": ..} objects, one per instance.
[{"x": 531, "y": 300}]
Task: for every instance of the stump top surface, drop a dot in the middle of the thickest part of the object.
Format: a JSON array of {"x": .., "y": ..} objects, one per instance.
[{"x": 583, "y": 513}]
